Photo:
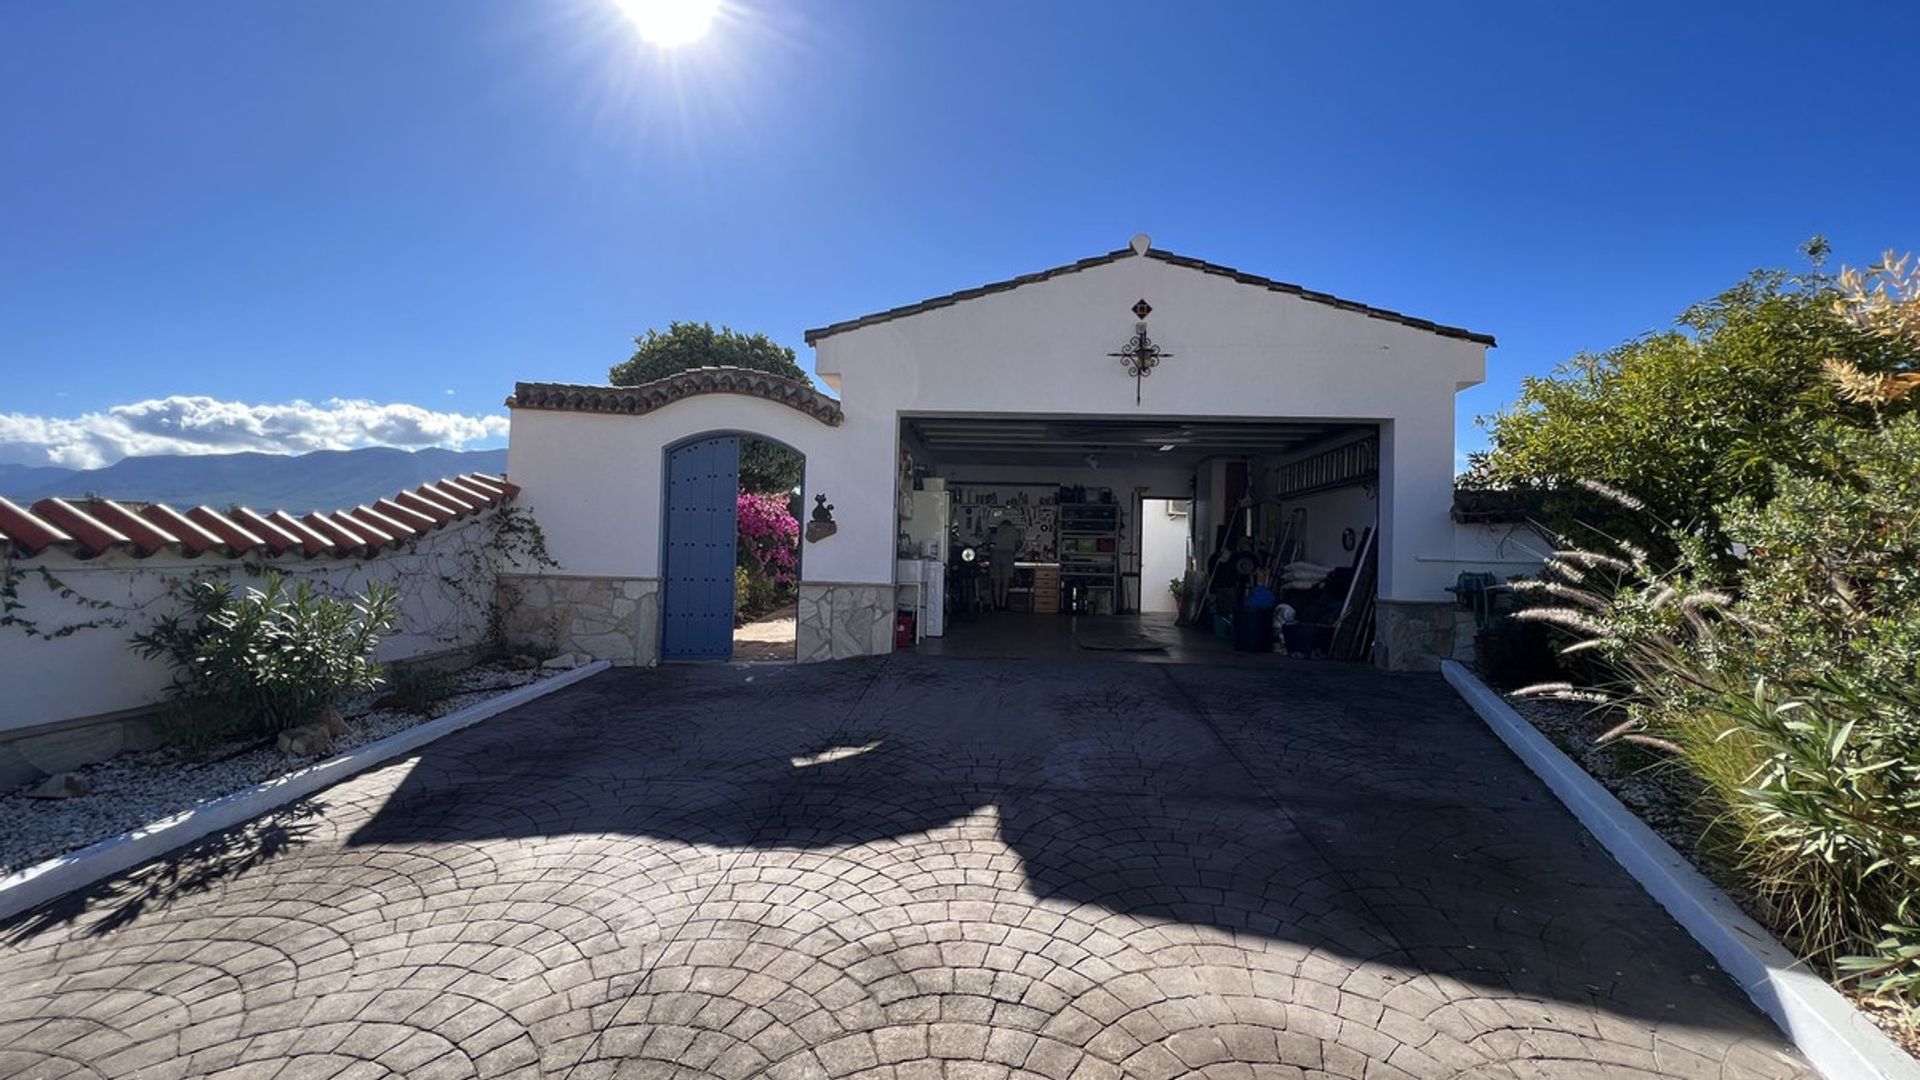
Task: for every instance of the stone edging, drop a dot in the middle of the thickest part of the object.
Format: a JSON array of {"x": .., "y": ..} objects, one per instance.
[
  {"x": 1836, "y": 1037},
  {"x": 26, "y": 889}
]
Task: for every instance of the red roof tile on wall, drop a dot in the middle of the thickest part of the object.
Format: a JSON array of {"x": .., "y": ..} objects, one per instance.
[
  {"x": 194, "y": 538},
  {"x": 27, "y": 532},
  {"x": 96, "y": 526},
  {"x": 90, "y": 532},
  {"x": 311, "y": 543},
  {"x": 441, "y": 513},
  {"x": 239, "y": 541},
  {"x": 340, "y": 540},
  {"x": 278, "y": 540},
  {"x": 146, "y": 536}
]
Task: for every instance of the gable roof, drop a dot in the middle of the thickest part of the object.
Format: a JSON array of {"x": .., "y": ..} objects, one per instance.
[{"x": 1238, "y": 276}]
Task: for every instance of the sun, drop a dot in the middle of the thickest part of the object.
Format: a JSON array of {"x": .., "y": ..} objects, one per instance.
[{"x": 670, "y": 23}]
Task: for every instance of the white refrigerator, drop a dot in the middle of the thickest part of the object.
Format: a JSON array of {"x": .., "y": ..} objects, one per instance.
[
  {"x": 934, "y": 583},
  {"x": 926, "y": 522},
  {"x": 926, "y": 526}
]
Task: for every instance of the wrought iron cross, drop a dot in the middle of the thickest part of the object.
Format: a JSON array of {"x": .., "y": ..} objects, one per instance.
[{"x": 1140, "y": 355}]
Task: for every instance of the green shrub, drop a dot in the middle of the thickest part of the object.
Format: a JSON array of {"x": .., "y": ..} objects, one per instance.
[
  {"x": 266, "y": 659},
  {"x": 417, "y": 688},
  {"x": 1510, "y": 652},
  {"x": 1789, "y": 695}
]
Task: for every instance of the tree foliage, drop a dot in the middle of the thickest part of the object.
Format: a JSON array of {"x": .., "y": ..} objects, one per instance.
[
  {"x": 688, "y": 345},
  {"x": 684, "y": 346},
  {"x": 1691, "y": 419}
]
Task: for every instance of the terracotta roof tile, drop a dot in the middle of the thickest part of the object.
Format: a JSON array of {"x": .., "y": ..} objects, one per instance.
[
  {"x": 146, "y": 536},
  {"x": 1240, "y": 276},
  {"x": 91, "y": 534},
  {"x": 370, "y": 538},
  {"x": 646, "y": 397},
  {"x": 194, "y": 537},
  {"x": 97, "y": 526},
  {"x": 342, "y": 540},
  {"x": 30, "y": 534},
  {"x": 462, "y": 502},
  {"x": 311, "y": 542},
  {"x": 485, "y": 483},
  {"x": 418, "y": 521},
  {"x": 375, "y": 519},
  {"x": 440, "y": 512},
  {"x": 239, "y": 540},
  {"x": 478, "y": 495},
  {"x": 278, "y": 540}
]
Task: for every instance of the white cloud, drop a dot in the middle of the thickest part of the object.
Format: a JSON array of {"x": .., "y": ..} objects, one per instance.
[{"x": 204, "y": 425}]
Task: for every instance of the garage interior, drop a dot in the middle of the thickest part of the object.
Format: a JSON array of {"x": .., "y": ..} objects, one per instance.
[{"x": 1267, "y": 527}]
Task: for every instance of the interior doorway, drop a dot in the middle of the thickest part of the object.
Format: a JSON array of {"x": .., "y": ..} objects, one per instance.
[{"x": 1165, "y": 547}]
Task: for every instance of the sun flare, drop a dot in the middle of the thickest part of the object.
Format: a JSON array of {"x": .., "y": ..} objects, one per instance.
[{"x": 670, "y": 23}]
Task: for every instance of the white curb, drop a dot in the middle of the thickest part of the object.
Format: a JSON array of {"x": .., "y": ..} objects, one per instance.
[
  {"x": 1836, "y": 1037},
  {"x": 25, "y": 889}
]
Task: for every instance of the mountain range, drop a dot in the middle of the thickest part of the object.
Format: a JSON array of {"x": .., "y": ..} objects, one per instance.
[{"x": 322, "y": 480}]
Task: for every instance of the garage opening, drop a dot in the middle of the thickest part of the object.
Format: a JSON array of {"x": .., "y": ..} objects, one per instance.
[{"x": 1178, "y": 538}]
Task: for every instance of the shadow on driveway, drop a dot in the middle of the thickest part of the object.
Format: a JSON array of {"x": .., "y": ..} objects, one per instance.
[{"x": 1331, "y": 807}]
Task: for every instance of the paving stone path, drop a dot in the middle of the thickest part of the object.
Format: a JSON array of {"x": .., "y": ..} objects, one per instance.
[{"x": 900, "y": 868}]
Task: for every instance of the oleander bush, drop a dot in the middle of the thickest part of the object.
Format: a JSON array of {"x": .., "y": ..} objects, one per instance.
[{"x": 267, "y": 659}]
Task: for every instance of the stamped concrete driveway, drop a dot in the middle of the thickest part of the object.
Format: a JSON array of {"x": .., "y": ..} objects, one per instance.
[{"x": 908, "y": 867}]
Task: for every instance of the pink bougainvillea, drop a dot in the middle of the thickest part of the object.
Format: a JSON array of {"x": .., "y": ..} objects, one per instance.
[{"x": 769, "y": 536}]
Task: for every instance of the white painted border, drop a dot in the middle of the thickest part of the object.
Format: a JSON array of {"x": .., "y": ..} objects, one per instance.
[
  {"x": 35, "y": 885},
  {"x": 1836, "y": 1037}
]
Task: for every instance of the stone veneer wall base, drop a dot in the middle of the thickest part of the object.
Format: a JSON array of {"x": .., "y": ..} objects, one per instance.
[
  {"x": 838, "y": 621},
  {"x": 616, "y": 619},
  {"x": 1417, "y": 635}
]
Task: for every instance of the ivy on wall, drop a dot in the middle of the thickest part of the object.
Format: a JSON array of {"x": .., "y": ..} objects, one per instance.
[{"x": 447, "y": 582}]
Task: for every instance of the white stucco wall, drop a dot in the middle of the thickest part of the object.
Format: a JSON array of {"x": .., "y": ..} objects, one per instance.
[
  {"x": 594, "y": 482},
  {"x": 1327, "y": 515},
  {"x": 92, "y": 672},
  {"x": 1238, "y": 352},
  {"x": 1505, "y": 551}
]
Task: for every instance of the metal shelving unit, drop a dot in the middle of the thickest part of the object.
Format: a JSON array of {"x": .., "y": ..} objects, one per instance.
[{"x": 1090, "y": 557}]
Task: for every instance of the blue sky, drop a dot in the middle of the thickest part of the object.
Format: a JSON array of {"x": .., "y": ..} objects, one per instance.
[{"x": 420, "y": 202}]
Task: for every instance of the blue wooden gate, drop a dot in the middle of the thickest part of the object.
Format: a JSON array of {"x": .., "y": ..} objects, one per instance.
[{"x": 703, "y": 483}]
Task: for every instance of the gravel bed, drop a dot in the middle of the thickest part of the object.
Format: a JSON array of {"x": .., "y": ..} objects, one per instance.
[
  {"x": 1666, "y": 799},
  {"x": 135, "y": 788},
  {"x": 1662, "y": 796}
]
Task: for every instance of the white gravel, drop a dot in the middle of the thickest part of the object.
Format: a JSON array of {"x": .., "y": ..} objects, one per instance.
[
  {"x": 140, "y": 787},
  {"x": 1660, "y": 793}
]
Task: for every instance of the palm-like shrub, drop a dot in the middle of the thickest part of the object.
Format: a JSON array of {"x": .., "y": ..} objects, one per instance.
[{"x": 267, "y": 659}]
